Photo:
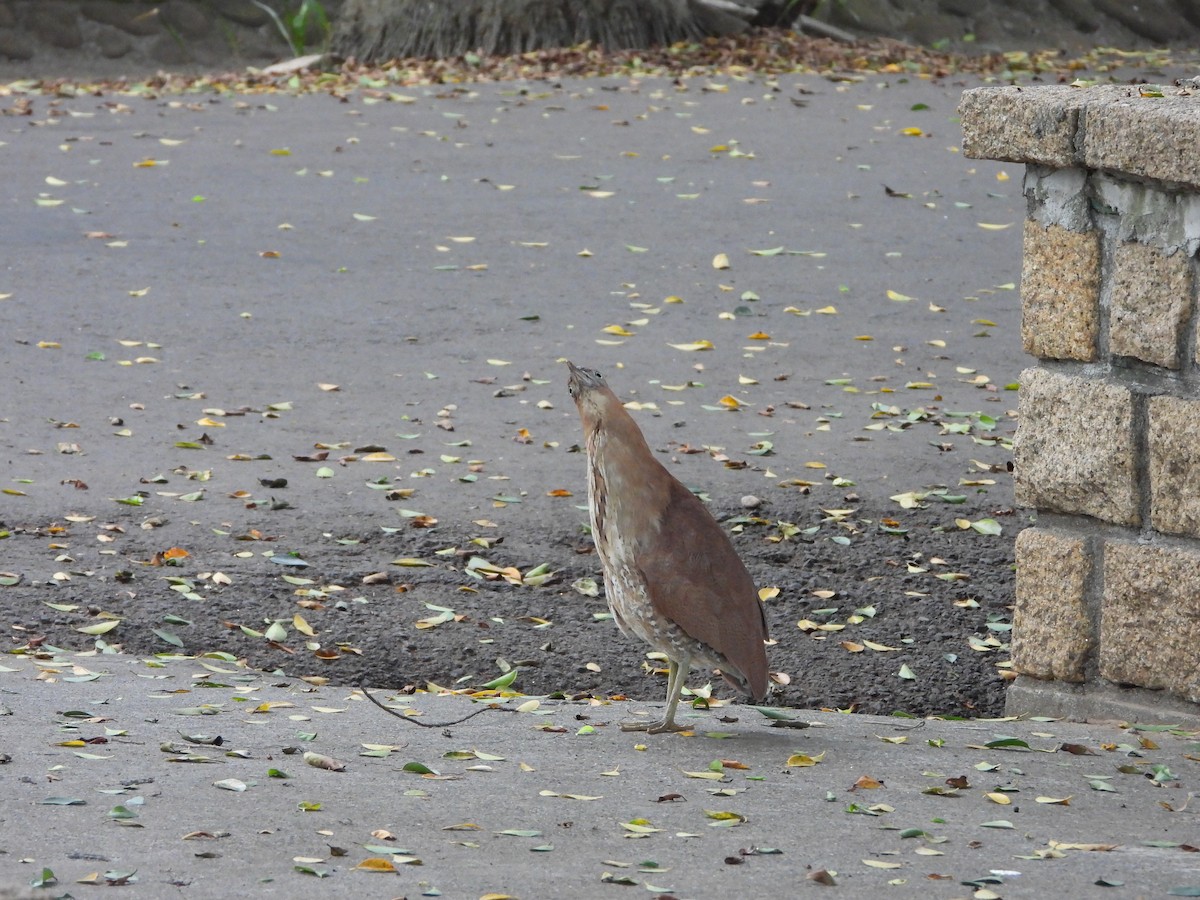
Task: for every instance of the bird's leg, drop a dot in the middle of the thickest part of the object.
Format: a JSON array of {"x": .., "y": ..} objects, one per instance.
[{"x": 676, "y": 674}]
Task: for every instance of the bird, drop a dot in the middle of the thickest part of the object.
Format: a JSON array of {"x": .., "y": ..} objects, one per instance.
[{"x": 672, "y": 577}]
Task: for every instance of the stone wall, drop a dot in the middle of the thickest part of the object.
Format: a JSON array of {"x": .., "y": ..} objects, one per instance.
[
  {"x": 1108, "y": 447},
  {"x": 141, "y": 33}
]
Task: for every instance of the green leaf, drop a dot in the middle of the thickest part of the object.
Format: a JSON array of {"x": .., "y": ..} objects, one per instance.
[
  {"x": 772, "y": 713},
  {"x": 907, "y": 673},
  {"x": 418, "y": 768},
  {"x": 167, "y": 636},
  {"x": 502, "y": 682},
  {"x": 64, "y": 801},
  {"x": 319, "y": 871},
  {"x": 46, "y": 879},
  {"x": 996, "y": 823},
  {"x": 1007, "y": 743},
  {"x": 987, "y": 526}
]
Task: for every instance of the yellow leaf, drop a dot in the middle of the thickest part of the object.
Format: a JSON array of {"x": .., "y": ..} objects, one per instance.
[
  {"x": 746, "y": 379},
  {"x": 768, "y": 593},
  {"x": 720, "y": 261},
  {"x": 878, "y": 648},
  {"x": 730, "y": 402},
  {"x": 378, "y": 457},
  {"x": 997, "y": 797},
  {"x": 673, "y": 299},
  {"x": 990, "y": 227},
  {"x": 814, "y": 465},
  {"x": 898, "y": 297},
  {"x": 803, "y": 760},
  {"x": 302, "y": 626},
  {"x": 758, "y": 336},
  {"x": 376, "y": 864},
  {"x": 880, "y": 864},
  {"x": 206, "y": 422},
  {"x": 827, "y": 311},
  {"x": 142, "y": 293},
  {"x": 49, "y": 345},
  {"x": 499, "y": 362},
  {"x": 695, "y": 345},
  {"x": 707, "y": 775},
  {"x": 99, "y": 627},
  {"x": 617, "y": 330},
  {"x": 912, "y": 131}
]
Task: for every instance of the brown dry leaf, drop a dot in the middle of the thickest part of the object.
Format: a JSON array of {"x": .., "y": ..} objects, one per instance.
[{"x": 1096, "y": 848}]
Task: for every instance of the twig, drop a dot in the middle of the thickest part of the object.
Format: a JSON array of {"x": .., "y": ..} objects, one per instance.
[{"x": 392, "y": 712}]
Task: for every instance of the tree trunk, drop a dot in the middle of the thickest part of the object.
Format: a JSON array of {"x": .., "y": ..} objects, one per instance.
[{"x": 376, "y": 30}]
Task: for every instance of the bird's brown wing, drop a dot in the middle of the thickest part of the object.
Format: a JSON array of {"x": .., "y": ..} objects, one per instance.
[{"x": 695, "y": 578}]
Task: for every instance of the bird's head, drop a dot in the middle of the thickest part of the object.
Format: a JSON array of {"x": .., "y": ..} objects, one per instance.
[
  {"x": 590, "y": 392},
  {"x": 583, "y": 380}
]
